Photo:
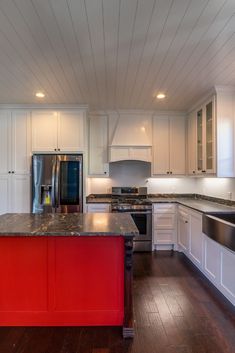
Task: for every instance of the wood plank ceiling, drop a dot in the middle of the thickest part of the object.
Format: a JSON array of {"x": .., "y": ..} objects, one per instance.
[{"x": 114, "y": 54}]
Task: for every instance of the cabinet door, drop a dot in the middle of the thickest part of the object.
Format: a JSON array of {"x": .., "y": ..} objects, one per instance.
[
  {"x": 5, "y": 181},
  {"x": 192, "y": 143},
  {"x": 44, "y": 131},
  {"x": 196, "y": 239},
  {"x": 71, "y": 131},
  {"x": 98, "y": 145},
  {"x": 209, "y": 138},
  {"x": 161, "y": 153},
  {"x": 227, "y": 273},
  {"x": 183, "y": 231},
  {"x": 20, "y": 142},
  {"x": 164, "y": 236},
  {"x": 211, "y": 259},
  {"x": 5, "y": 142},
  {"x": 200, "y": 152},
  {"x": 20, "y": 193},
  {"x": 177, "y": 145}
]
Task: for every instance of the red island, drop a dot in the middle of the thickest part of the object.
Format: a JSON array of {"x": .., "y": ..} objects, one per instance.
[{"x": 57, "y": 270}]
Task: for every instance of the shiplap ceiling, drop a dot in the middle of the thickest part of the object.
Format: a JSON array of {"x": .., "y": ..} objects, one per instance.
[{"x": 115, "y": 54}]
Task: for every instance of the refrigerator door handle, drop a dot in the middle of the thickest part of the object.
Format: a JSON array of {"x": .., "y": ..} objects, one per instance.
[
  {"x": 57, "y": 173},
  {"x": 53, "y": 196}
]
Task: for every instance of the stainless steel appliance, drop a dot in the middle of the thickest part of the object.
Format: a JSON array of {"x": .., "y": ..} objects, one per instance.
[
  {"x": 135, "y": 202},
  {"x": 57, "y": 183}
]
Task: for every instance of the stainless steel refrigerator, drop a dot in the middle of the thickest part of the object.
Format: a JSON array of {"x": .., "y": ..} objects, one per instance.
[{"x": 57, "y": 183}]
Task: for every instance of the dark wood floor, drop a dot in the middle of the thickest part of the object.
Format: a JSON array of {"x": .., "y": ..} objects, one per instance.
[{"x": 176, "y": 311}]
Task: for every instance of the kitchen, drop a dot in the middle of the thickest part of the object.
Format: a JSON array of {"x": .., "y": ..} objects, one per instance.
[{"x": 98, "y": 99}]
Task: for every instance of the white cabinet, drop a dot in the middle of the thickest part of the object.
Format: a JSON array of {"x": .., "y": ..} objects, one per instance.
[
  {"x": 98, "y": 146},
  {"x": 211, "y": 259},
  {"x": 219, "y": 264},
  {"x": 58, "y": 131},
  {"x": 196, "y": 239},
  {"x": 98, "y": 207},
  {"x": 164, "y": 224},
  {"x": 15, "y": 157},
  {"x": 227, "y": 281},
  {"x": 201, "y": 139},
  {"x": 192, "y": 144},
  {"x": 183, "y": 229},
  {"x": 169, "y": 145}
]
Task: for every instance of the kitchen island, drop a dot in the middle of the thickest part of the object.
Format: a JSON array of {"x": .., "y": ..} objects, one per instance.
[{"x": 66, "y": 269}]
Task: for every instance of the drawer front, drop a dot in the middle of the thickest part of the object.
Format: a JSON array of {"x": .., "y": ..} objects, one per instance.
[
  {"x": 98, "y": 208},
  {"x": 164, "y": 236},
  {"x": 164, "y": 208},
  {"x": 164, "y": 221}
]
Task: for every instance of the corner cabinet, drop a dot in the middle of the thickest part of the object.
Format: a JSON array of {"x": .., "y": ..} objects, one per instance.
[
  {"x": 15, "y": 153},
  {"x": 54, "y": 131},
  {"x": 98, "y": 146},
  {"x": 168, "y": 145},
  {"x": 201, "y": 139}
]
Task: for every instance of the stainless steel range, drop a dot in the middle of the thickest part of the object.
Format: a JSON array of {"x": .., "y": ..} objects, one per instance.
[{"x": 135, "y": 202}]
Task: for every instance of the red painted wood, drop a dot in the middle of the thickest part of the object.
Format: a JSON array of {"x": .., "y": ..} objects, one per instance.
[{"x": 61, "y": 281}]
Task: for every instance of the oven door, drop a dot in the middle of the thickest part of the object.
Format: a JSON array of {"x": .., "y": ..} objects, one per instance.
[{"x": 143, "y": 221}]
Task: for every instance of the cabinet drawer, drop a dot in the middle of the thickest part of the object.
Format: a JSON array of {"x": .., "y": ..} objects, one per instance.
[
  {"x": 98, "y": 208},
  {"x": 164, "y": 221},
  {"x": 164, "y": 208},
  {"x": 164, "y": 236}
]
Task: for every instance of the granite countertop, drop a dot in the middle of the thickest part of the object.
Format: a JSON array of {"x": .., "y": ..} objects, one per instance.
[
  {"x": 203, "y": 206},
  {"x": 72, "y": 224}
]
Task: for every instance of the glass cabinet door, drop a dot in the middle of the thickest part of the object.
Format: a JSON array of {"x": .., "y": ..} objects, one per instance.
[
  {"x": 199, "y": 141},
  {"x": 209, "y": 137}
]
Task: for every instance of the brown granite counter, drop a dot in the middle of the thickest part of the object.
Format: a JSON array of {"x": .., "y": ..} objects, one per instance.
[{"x": 72, "y": 224}]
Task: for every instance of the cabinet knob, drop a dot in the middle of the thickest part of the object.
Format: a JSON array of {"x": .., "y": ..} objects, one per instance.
[
  {"x": 167, "y": 172},
  {"x": 105, "y": 172},
  {"x": 170, "y": 172},
  {"x": 58, "y": 149},
  {"x": 194, "y": 172},
  {"x": 9, "y": 172},
  {"x": 55, "y": 149},
  {"x": 185, "y": 222},
  {"x": 203, "y": 171},
  {"x": 13, "y": 172}
]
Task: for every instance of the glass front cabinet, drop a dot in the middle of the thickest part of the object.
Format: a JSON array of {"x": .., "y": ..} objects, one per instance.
[{"x": 201, "y": 134}]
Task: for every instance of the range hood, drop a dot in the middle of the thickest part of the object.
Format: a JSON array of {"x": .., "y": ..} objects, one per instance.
[{"x": 132, "y": 138}]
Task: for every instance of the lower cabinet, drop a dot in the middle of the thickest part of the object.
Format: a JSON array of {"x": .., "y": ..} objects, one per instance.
[
  {"x": 164, "y": 225},
  {"x": 15, "y": 193},
  {"x": 215, "y": 261},
  {"x": 98, "y": 208}
]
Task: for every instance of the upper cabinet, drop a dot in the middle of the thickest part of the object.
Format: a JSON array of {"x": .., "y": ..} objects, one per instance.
[
  {"x": 15, "y": 142},
  {"x": 98, "y": 146},
  {"x": 201, "y": 139},
  {"x": 168, "y": 145},
  {"x": 62, "y": 131}
]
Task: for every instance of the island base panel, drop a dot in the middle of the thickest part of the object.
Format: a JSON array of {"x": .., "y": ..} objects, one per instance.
[{"x": 59, "y": 281}]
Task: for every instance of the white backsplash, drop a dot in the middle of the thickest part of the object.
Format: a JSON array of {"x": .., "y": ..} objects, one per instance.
[
  {"x": 135, "y": 173},
  {"x": 217, "y": 187}
]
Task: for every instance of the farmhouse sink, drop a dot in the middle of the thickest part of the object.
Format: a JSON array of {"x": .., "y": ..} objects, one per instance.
[{"x": 221, "y": 228}]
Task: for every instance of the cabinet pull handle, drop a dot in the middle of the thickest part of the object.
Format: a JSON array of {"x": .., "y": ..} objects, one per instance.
[{"x": 203, "y": 171}]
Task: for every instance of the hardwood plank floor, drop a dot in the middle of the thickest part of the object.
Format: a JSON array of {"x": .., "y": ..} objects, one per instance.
[{"x": 176, "y": 310}]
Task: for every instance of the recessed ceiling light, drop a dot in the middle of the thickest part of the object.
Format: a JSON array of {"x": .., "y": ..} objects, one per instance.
[
  {"x": 40, "y": 95},
  {"x": 161, "y": 96}
]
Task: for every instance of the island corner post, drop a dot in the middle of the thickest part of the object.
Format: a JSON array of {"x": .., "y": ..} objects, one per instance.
[{"x": 128, "y": 325}]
